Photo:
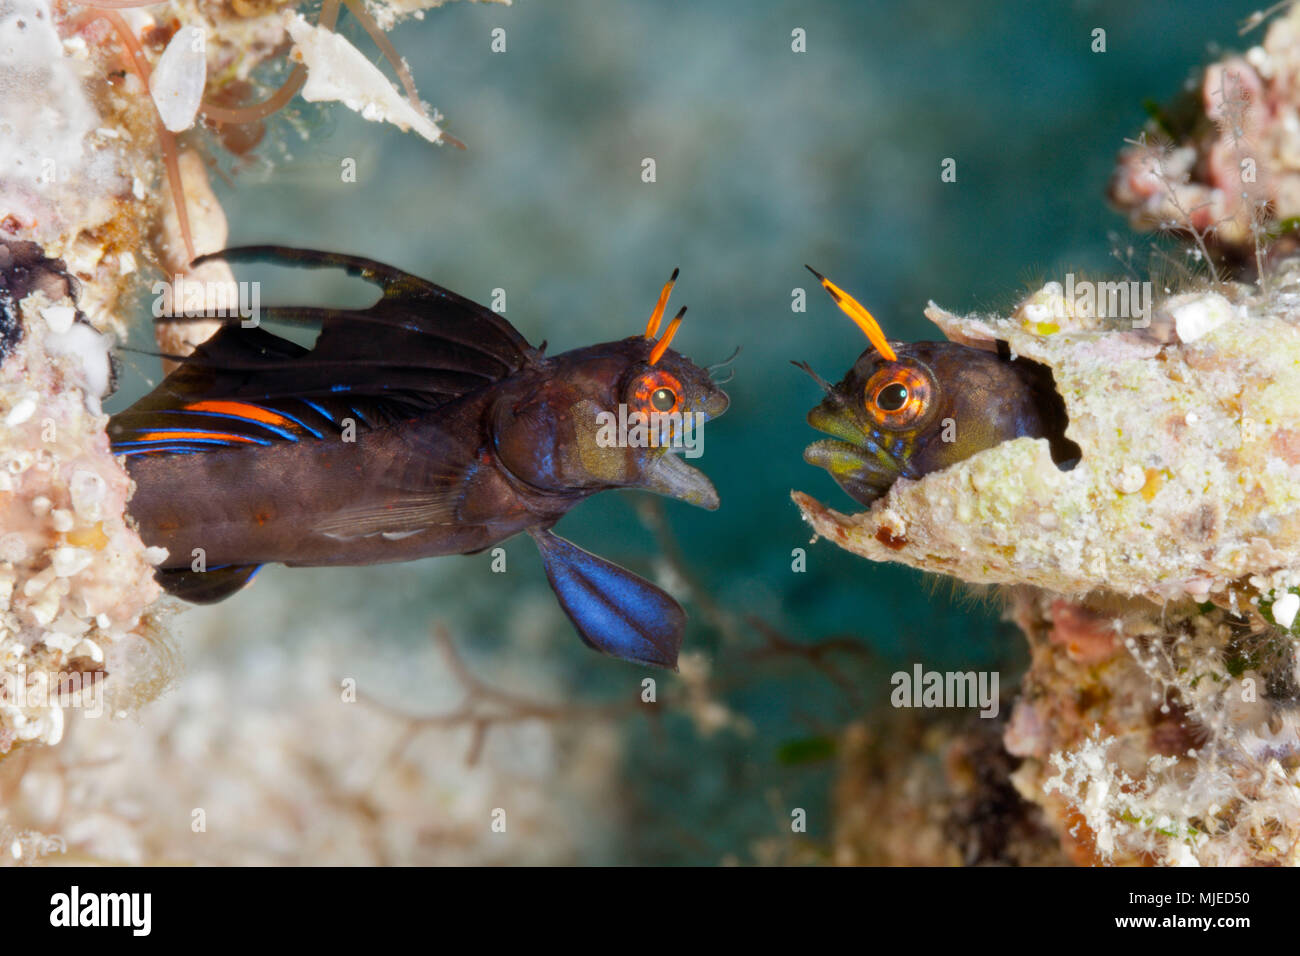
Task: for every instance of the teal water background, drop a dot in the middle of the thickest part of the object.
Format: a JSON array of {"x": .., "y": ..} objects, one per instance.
[{"x": 766, "y": 159}]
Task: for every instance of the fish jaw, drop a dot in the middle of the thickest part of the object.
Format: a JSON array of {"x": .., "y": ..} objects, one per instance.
[
  {"x": 854, "y": 469},
  {"x": 668, "y": 475},
  {"x": 856, "y": 462},
  {"x": 715, "y": 404}
]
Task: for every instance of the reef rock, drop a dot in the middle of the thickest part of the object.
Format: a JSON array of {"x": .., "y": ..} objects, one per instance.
[{"x": 74, "y": 578}]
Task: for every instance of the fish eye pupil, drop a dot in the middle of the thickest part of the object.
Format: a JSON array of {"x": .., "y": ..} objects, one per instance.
[
  {"x": 663, "y": 399},
  {"x": 892, "y": 397}
]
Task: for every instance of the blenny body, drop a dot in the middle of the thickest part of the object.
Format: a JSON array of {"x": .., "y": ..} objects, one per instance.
[
  {"x": 424, "y": 425},
  {"x": 907, "y": 409}
]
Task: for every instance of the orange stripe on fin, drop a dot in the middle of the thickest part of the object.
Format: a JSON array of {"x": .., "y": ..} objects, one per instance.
[
  {"x": 186, "y": 436},
  {"x": 244, "y": 410}
]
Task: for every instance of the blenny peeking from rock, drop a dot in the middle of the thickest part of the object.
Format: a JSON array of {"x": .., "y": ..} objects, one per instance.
[
  {"x": 422, "y": 425},
  {"x": 907, "y": 409}
]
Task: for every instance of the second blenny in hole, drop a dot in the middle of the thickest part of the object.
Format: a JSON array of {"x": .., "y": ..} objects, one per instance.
[{"x": 907, "y": 409}]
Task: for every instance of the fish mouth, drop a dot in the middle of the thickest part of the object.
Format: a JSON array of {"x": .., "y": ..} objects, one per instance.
[
  {"x": 715, "y": 404},
  {"x": 855, "y": 469},
  {"x": 668, "y": 475},
  {"x": 857, "y": 463}
]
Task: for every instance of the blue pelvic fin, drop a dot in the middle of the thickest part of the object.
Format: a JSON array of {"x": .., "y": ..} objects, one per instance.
[{"x": 615, "y": 611}]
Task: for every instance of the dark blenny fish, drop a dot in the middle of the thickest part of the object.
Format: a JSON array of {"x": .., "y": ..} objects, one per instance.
[
  {"x": 907, "y": 409},
  {"x": 423, "y": 425}
]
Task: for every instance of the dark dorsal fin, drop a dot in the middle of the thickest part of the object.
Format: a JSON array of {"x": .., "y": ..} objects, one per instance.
[
  {"x": 414, "y": 325},
  {"x": 418, "y": 347},
  {"x": 231, "y": 393}
]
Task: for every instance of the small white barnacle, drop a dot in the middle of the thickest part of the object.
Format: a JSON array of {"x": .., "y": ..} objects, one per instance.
[
  {"x": 23, "y": 410},
  {"x": 177, "y": 82},
  {"x": 20, "y": 461}
]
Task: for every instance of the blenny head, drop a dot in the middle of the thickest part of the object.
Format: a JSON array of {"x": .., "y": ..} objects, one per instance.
[
  {"x": 620, "y": 414},
  {"x": 905, "y": 410}
]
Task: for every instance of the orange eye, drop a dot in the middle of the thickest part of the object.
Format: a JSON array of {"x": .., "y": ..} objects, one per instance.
[
  {"x": 657, "y": 391},
  {"x": 897, "y": 396}
]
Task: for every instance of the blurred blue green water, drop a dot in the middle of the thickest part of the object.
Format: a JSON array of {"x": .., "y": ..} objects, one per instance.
[{"x": 765, "y": 159}]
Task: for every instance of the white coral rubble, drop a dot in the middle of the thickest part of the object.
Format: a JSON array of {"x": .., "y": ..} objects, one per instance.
[{"x": 73, "y": 575}]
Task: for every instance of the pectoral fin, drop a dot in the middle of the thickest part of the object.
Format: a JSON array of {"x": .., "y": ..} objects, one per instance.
[
  {"x": 206, "y": 587},
  {"x": 615, "y": 611}
]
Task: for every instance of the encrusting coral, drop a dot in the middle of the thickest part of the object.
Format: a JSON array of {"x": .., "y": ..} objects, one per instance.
[
  {"x": 1223, "y": 163},
  {"x": 918, "y": 791},
  {"x": 1158, "y": 735},
  {"x": 74, "y": 578}
]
